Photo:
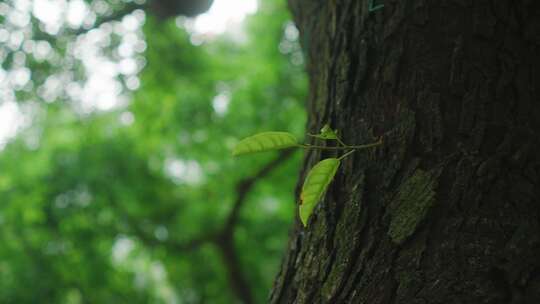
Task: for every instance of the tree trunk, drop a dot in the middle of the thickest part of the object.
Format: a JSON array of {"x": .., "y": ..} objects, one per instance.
[{"x": 448, "y": 209}]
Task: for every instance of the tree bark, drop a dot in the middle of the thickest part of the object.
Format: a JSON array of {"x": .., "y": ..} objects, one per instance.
[{"x": 448, "y": 209}]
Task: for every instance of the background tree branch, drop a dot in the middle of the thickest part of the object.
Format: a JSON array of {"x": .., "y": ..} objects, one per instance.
[
  {"x": 225, "y": 241},
  {"x": 222, "y": 239},
  {"x": 244, "y": 186}
]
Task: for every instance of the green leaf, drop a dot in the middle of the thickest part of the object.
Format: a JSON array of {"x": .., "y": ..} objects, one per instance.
[
  {"x": 315, "y": 185},
  {"x": 265, "y": 141},
  {"x": 326, "y": 133}
]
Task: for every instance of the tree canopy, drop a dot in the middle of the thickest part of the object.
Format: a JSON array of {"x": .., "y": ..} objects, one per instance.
[{"x": 134, "y": 196}]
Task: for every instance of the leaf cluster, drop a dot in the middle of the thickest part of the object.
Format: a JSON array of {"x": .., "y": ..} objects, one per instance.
[{"x": 319, "y": 177}]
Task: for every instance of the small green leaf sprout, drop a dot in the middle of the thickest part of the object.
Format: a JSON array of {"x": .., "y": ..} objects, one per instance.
[
  {"x": 373, "y": 7},
  {"x": 326, "y": 133},
  {"x": 320, "y": 176}
]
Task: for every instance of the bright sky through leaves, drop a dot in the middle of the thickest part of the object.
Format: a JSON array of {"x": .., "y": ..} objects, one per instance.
[
  {"x": 102, "y": 90},
  {"x": 222, "y": 14}
]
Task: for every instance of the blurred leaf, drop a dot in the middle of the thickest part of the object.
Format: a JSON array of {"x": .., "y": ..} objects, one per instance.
[{"x": 92, "y": 199}]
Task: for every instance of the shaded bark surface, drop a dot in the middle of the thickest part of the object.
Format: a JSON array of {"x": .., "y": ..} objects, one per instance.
[{"x": 448, "y": 209}]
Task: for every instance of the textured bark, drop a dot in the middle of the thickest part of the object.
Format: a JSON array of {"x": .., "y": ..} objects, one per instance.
[{"x": 448, "y": 209}]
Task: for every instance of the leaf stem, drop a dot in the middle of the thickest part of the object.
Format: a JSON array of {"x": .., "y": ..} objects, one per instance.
[
  {"x": 322, "y": 147},
  {"x": 346, "y": 154},
  {"x": 340, "y": 142},
  {"x": 345, "y": 147}
]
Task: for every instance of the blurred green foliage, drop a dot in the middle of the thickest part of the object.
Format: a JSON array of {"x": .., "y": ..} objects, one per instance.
[{"x": 94, "y": 205}]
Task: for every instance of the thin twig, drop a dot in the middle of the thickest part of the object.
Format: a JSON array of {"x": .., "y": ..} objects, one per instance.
[{"x": 305, "y": 146}]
